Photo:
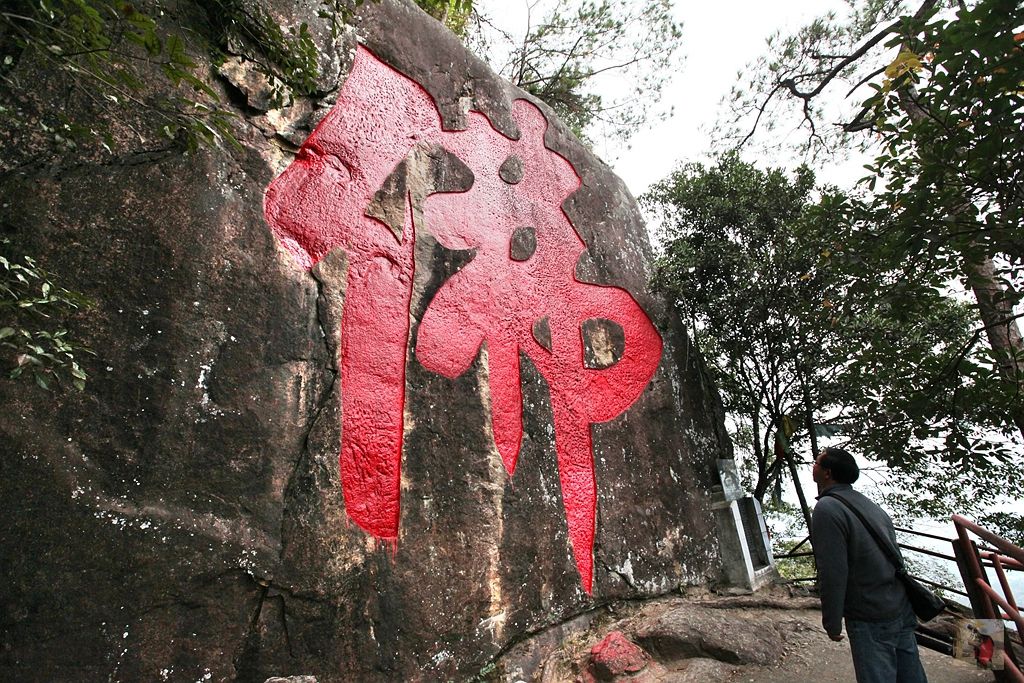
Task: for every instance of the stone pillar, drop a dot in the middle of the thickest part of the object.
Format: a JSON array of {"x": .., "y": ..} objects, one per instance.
[{"x": 747, "y": 561}]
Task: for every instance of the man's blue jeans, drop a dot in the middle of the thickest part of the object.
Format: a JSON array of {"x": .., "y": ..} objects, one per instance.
[{"x": 886, "y": 651}]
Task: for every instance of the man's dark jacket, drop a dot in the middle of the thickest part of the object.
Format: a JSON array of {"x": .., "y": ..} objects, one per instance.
[{"x": 854, "y": 577}]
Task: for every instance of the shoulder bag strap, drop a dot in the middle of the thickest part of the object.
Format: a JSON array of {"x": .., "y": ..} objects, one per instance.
[{"x": 886, "y": 548}]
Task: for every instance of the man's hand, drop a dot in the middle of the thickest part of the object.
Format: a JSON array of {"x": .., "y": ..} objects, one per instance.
[{"x": 838, "y": 637}]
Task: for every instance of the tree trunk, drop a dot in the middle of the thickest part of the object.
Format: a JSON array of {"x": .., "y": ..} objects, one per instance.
[
  {"x": 810, "y": 430},
  {"x": 1001, "y": 326},
  {"x": 784, "y": 454},
  {"x": 760, "y": 457}
]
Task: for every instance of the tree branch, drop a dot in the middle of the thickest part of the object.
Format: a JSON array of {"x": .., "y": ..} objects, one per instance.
[{"x": 790, "y": 84}]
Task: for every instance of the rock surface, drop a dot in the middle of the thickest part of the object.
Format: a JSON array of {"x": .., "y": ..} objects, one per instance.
[
  {"x": 183, "y": 519},
  {"x": 616, "y": 655},
  {"x": 768, "y": 637}
]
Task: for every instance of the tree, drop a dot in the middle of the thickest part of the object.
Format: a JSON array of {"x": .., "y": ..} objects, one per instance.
[
  {"x": 735, "y": 266},
  {"x": 941, "y": 103},
  {"x": 1007, "y": 524},
  {"x": 581, "y": 50},
  {"x": 794, "y": 341},
  {"x": 953, "y": 199}
]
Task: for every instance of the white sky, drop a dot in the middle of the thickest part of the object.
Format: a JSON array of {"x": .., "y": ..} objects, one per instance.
[{"x": 719, "y": 39}]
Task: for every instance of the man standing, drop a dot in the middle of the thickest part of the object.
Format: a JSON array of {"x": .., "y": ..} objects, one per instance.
[{"x": 857, "y": 580}]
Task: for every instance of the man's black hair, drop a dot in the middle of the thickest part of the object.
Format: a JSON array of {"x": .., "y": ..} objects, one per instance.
[{"x": 842, "y": 465}]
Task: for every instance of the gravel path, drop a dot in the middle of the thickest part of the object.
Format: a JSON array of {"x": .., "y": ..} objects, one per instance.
[
  {"x": 824, "y": 661},
  {"x": 767, "y": 637}
]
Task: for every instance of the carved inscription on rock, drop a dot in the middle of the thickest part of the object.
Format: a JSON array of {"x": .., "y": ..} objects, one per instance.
[{"x": 348, "y": 190}]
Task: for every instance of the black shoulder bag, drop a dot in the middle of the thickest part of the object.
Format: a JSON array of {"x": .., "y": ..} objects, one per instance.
[{"x": 927, "y": 605}]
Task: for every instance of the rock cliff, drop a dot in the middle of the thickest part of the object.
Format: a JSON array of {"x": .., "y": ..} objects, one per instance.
[{"x": 379, "y": 395}]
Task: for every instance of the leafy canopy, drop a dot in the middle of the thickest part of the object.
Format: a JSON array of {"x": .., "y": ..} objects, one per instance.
[
  {"x": 796, "y": 339},
  {"x": 455, "y": 14},
  {"x": 736, "y": 265}
]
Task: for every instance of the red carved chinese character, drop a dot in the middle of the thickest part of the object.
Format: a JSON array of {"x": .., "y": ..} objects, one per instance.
[{"x": 518, "y": 294}]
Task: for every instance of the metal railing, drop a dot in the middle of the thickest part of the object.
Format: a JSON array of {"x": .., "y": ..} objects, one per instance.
[
  {"x": 986, "y": 602},
  {"x": 972, "y": 560}
]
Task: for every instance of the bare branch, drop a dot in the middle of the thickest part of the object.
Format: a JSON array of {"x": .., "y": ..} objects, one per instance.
[{"x": 791, "y": 84}]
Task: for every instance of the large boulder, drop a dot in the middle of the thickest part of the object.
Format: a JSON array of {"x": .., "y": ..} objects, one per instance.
[{"x": 374, "y": 402}]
